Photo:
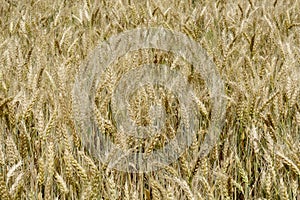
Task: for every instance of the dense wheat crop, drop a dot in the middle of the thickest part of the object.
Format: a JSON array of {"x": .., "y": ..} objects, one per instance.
[{"x": 255, "y": 45}]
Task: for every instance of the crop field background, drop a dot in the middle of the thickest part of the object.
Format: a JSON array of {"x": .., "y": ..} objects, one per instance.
[{"x": 255, "y": 46}]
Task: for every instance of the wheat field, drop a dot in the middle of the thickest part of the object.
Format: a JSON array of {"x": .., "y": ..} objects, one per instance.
[{"x": 255, "y": 46}]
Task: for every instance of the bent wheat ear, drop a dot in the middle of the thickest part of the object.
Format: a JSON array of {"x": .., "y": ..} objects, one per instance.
[{"x": 61, "y": 183}]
